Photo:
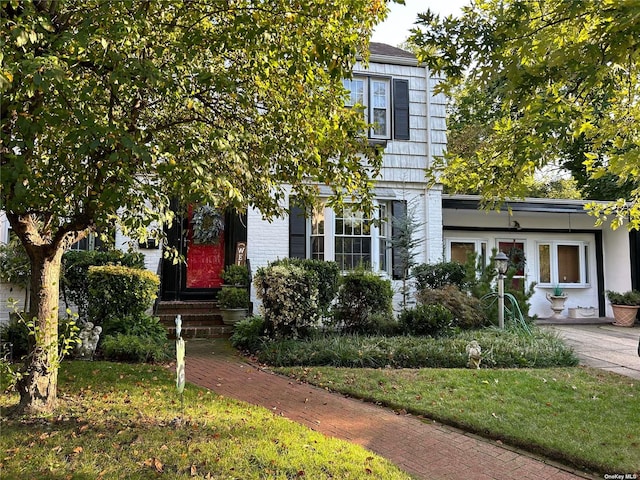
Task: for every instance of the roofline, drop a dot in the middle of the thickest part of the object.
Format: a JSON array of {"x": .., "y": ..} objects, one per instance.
[
  {"x": 548, "y": 205},
  {"x": 393, "y": 60}
]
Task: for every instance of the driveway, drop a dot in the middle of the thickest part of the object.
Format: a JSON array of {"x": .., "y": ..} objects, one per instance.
[{"x": 604, "y": 346}]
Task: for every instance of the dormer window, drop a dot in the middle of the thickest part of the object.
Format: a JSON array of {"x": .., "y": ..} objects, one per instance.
[{"x": 374, "y": 96}]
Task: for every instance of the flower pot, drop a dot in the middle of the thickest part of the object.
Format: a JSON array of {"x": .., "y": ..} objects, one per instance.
[
  {"x": 231, "y": 316},
  {"x": 624, "y": 315},
  {"x": 557, "y": 304}
]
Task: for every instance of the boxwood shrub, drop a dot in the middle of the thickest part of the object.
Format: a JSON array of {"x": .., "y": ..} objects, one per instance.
[
  {"x": 362, "y": 298},
  {"x": 120, "y": 292}
]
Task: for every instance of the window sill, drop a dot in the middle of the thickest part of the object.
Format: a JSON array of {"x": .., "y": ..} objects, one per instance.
[
  {"x": 564, "y": 286},
  {"x": 378, "y": 142}
]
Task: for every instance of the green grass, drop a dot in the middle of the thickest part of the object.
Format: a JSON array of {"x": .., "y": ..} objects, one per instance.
[
  {"x": 119, "y": 421},
  {"x": 583, "y": 417}
]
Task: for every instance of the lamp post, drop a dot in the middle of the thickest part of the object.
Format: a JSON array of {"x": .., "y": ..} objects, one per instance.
[{"x": 502, "y": 264}]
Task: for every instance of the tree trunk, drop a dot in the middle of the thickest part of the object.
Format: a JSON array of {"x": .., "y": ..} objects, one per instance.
[{"x": 38, "y": 386}]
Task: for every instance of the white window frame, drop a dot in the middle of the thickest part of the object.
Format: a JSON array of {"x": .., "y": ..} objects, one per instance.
[
  {"x": 478, "y": 244},
  {"x": 379, "y": 239},
  {"x": 369, "y": 101},
  {"x": 584, "y": 249}
]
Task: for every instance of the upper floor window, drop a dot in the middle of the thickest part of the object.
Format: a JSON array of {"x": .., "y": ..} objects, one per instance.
[{"x": 374, "y": 96}]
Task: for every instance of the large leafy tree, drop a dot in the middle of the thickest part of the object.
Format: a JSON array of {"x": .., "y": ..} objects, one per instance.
[
  {"x": 111, "y": 108},
  {"x": 546, "y": 82}
]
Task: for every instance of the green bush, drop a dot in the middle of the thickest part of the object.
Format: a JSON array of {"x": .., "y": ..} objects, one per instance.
[
  {"x": 235, "y": 275},
  {"x": 431, "y": 320},
  {"x": 17, "y": 332},
  {"x": 249, "y": 334},
  {"x": 120, "y": 292},
  {"x": 75, "y": 273},
  {"x": 141, "y": 325},
  {"x": 289, "y": 296},
  {"x": 134, "y": 348},
  {"x": 500, "y": 349},
  {"x": 362, "y": 295},
  {"x": 467, "y": 310},
  {"x": 438, "y": 275},
  {"x": 327, "y": 276},
  {"x": 233, "y": 297}
]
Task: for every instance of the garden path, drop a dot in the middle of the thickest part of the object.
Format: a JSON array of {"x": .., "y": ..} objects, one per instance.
[
  {"x": 424, "y": 449},
  {"x": 604, "y": 346}
]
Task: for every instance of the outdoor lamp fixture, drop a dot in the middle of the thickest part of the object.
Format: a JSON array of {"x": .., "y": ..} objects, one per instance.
[{"x": 502, "y": 264}]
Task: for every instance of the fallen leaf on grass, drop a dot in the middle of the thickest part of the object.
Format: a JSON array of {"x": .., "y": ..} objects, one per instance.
[{"x": 155, "y": 463}]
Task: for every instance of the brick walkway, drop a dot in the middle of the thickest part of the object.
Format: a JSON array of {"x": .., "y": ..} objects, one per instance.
[{"x": 425, "y": 450}]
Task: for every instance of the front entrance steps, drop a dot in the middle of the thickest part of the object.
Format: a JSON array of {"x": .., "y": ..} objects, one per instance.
[{"x": 200, "y": 319}]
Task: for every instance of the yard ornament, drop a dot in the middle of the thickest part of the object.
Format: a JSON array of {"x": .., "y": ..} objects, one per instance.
[{"x": 475, "y": 354}]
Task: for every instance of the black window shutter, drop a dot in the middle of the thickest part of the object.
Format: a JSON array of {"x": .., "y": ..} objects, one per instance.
[
  {"x": 398, "y": 213},
  {"x": 401, "y": 109},
  {"x": 297, "y": 230}
]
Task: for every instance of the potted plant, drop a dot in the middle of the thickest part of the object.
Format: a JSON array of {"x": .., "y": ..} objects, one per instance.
[
  {"x": 235, "y": 275},
  {"x": 557, "y": 299},
  {"x": 625, "y": 307},
  {"x": 234, "y": 304}
]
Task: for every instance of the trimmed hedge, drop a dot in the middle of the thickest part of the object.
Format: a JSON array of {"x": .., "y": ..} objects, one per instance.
[
  {"x": 432, "y": 320},
  {"x": 120, "y": 292},
  {"x": 363, "y": 297},
  {"x": 75, "y": 273},
  {"x": 500, "y": 349}
]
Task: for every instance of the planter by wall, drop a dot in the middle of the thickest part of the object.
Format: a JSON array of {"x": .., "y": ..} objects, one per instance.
[
  {"x": 624, "y": 315},
  {"x": 231, "y": 316}
]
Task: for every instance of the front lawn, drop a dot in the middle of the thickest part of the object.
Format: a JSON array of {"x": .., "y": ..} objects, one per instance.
[
  {"x": 125, "y": 421},
  {"x": 584, "y": 417}
]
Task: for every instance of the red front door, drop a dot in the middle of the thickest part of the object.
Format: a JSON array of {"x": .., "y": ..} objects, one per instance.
[{"x": 205, "y": 252}]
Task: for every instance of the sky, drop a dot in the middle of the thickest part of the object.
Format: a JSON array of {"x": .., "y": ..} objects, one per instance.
[{"x": 395, "y": 29}]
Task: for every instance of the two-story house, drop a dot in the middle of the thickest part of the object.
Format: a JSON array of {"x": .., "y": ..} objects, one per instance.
[{"x": 556, "y": 238}]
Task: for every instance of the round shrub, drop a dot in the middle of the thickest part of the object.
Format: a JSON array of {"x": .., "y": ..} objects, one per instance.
[
  {"x": 289, "y": 296},
  {"x": 362, "y": 295},
  {"x": 120, "y": 292},
  {"x": 467, "y": 310},
  {"x": 327, "y": 276},
  {"x": 438, "y": 275},
  {"x": 429, "y": 320}
]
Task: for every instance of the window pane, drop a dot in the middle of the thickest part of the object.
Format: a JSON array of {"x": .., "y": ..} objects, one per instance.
[
  {"x": 379, "y": 94},
  {"x": 459, "y": 251},
  {"x": 544, "y": 262},
  {"x": 568, "y": 264},
  {"x": 317, "y": 248},
  {"x": 352, "y": 239},
  {"x": 380, "y": 104}
]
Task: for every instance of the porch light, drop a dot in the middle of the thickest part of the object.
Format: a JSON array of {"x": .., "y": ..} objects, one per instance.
[{"x": 502, "y": 263}]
